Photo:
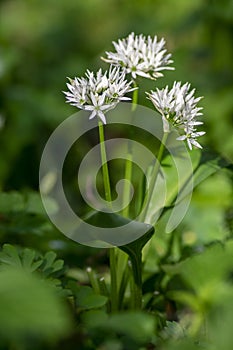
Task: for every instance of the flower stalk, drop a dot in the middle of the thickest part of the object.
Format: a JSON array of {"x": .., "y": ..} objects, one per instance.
[{"x": 108, "y": 197}]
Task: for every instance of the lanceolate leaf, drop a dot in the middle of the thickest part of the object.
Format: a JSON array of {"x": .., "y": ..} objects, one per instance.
[
  {"x": 204, "y": 164},
  {"x": 135, "y": 232},
  {"x": 208, "y": 165}
]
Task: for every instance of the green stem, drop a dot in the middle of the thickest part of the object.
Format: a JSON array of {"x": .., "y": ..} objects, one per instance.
[
  {"x": 154, "y": 175},
  {"x": 93, "y": 280},
  {"x": 107, "y": 188},
  {"x": 108, "y": 197},
  {"x": 137, "y": 281},
  {"x": 129, "y": 164},
  {"x": 113, "y": 294},
  {"x": 128, "y": 176},
  {"x": 135, "y": 97}
]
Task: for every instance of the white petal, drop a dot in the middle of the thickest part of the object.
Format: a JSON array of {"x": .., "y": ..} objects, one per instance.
[
  {"x": 195, "y": 143},
  {"x": 93, "y": 114},
  {"x": 102, "y": 116}
]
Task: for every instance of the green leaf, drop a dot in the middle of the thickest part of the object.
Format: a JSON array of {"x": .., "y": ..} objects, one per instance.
[
  {"x": 205, "y": 164},
  {"x": 137, "y": 232},
  {"x": 29, "y": 307},
  {"x": 220, "y": 323},
  {"x": 87, "y": 299},
  {"x": 138, "y": 326},
  {"x": 28, "y": 260},
  {"x": 9, "y": 256},
  {"x": 200, "y": 166},
  {"x": 208, "y": 165},
  {"x": 211, "y": 266},
  {"x": 49, "y": 259},
  {"x": 94, "y": 318}
]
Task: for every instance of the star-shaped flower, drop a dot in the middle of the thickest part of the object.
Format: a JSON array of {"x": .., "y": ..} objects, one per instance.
[
  {"x": 140, "y": 55},
  {"x": 98, "y": 93},
  {"x": 178, "y": 106}
]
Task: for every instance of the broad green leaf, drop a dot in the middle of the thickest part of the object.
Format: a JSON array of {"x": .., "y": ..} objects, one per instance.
[
  {"x": 87, "y": 299},
  {"x": 220, "y": 323},
  {"x": 175, "y": 172},
  {"x": 137, "y": 326},
  {"x": 208, "y": 165},
  {"x": 178, "y": 185},
  {"x": 211, "y": 266},
  {"x": 29, "y": 307},
  {"x": 141, "y": 231},
  {"x": 94, "y": 318}
]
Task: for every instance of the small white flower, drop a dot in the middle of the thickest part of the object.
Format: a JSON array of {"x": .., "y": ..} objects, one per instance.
[
  {"x": 98, "y": 93},
  {"x": 179, "y": 107},
  {"x": 140, "y": 55}
]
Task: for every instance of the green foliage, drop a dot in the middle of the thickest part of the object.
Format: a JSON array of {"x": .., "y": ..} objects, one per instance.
[
  {"x": 187, "y": 275},
  {"x": 29, "y": 260},
  {"x": 86, "y": 299},
  {"x": 134, "y": 328},
  {"x": 30, "y": 308}
]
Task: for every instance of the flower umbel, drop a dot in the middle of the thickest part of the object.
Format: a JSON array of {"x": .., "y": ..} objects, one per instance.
[
  {"x": 140, "y": 55},
  {"x": 179, "y": 106},
  {"x": 98, "y": 93}
]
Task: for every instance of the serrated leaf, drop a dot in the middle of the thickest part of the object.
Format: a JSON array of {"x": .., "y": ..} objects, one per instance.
[
  {"x": 28, "y": 256},
  {"x": 49, "y": 259},
  {"x": 9, "y": 255},
  {"x": 58, "y": 265},
  {"x": 29, "y": 261}
]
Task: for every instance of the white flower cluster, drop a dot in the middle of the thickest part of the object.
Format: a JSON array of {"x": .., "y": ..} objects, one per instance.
[
  {"x": 140, "y": 55},
  {"x": 98, "y": 93},
  {"x": 179, "y": 107}
]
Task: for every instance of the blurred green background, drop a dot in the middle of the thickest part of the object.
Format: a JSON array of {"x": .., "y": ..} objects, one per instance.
[{"x": 43, "y": 42}]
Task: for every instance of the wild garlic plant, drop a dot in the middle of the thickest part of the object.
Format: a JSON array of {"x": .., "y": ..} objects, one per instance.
[{"x": 135, "y": 56}]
